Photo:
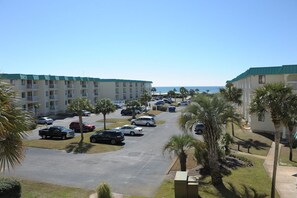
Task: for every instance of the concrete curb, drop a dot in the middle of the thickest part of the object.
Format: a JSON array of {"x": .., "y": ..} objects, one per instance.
[{"x": 172, "y": 164}]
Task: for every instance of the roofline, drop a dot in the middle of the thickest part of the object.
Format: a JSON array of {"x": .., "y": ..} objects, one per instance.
[
  {"x": 273, "y": 70},
  {"x": 70, "y": 78}
]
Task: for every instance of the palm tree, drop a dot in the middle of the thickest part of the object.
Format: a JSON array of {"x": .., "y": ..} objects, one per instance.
[
  {"x": 133, "y": 104},
  {"x": 233, "y": 95},
  {"x": 289, "y": 119},
  {"x": 14, "y": 122},
  {"x": 77, "y": 105},
  {"x": 145, "y": 98},
  {"x": 271, "y": 97},
  {"x": 104, "y": 106},
  {"x": 184, "y": 92},
  {"x": 171, "y": 94},
  {"x": 192, "y": 92},
  {"x": 179, "y": 144},
  {"x": 213, "y": 112}
]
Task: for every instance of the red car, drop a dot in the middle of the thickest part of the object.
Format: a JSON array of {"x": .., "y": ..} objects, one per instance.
[{"x": 86, "y": 127}]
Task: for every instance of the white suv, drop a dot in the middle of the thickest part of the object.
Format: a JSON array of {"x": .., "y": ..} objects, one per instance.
[{"x": 144, "y": 120}]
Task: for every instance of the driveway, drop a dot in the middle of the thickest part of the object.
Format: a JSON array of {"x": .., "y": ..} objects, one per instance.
[{"x": 137, "y": 169}]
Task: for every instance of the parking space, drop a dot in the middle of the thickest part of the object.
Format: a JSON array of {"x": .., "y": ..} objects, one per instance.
[{"x": 138, "y": 168}]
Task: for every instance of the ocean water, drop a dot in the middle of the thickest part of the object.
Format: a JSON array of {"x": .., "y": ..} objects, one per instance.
[{"x": 210, "y": 89}]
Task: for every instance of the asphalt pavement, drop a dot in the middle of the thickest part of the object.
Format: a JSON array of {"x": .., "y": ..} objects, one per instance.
[{"x": 137, "y": 169}]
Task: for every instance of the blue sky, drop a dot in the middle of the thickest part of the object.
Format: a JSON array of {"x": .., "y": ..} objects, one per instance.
[{"x": 169, "y": 42}]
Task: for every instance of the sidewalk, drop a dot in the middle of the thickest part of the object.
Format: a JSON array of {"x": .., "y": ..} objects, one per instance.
[{"x": 286, "y": 178}]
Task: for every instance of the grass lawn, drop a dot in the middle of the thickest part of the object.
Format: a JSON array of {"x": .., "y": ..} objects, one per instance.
[
  {"x": 33, "y": 189},
  {"x": 260, "y": 144},
  {"x": 71, "y": 145},
  {"x": 284, "y": 156},
  {"x": 242, "y": 182}
]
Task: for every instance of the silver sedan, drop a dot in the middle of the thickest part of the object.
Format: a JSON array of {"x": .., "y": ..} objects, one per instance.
[{"x": 130, "y": 130}]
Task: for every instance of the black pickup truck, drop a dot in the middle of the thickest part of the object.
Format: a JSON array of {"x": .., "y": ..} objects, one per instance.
[{"x": 56, "y": 131}]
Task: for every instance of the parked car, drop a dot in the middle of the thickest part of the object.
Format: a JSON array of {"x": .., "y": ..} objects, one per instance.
[
  {"x": 56, "y": 131},
  {"x": 108, "y": 136},
  {"x": 159, "y": 103},
  {"x": 183, "y": 103},
  {"x": 129, "y": 130},
  {"x": 144, "y": 120},
  {"x": 44, "y": 120},
  {"x": 167, "y": 101},
  {"x": 86, "y": 127},
  {"x": 199, "y": 128},
  {"x": 84, "y": 113},
  {"x": 128, "y": 112}
]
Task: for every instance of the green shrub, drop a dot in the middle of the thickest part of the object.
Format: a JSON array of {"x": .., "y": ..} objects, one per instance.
[
  {"x": 162, "y": 108},
  {"x": 103, "y": 191},
  {"x": 9, "y": 188}
]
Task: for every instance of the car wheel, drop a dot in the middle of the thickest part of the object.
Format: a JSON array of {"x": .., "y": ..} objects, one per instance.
[
  {"x": 113, "y": 142},
  {"x": 93, "y": 140},
  {"x": 147, "y": 124},
  {"x": 63, "y": 137},
  {"x": 133, "y": 123},
  {"x": 132, "y": 133},
  {"x": 43, "y": 136}
]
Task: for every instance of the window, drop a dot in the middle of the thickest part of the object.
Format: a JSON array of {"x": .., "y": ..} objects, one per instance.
[
  {"x": 23, "y": 82},
  {"x": 24, "y": 107},
  {"x": 117, "y": 84},
  {"x": 66, "y": 102},
  {"x": 261, "y": 117},
  {"x": 23, "y": 94},
  {"x": 12, "y": 82},
  {"x": 262, "y": 79},
  {"x": 124, "y": 84}
]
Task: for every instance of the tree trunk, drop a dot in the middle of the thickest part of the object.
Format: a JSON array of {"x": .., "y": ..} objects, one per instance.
[
  {"x": 232, "y": 128},
  {"x": 276, "y": 123},
  {"x": 104, "y": 121},
  {"x": 81, "y": 128},
  {"x": 215, "y": 173},
  {"x": 183, "y": 161},
  {"x": 291, "y": 128}
]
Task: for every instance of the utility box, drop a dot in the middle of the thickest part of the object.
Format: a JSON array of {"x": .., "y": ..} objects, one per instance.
[
  {"x": 184, "y": 186},
  {"x": 180, "y": 184},
  {"x": 171, "y": 108},
  {"x": 192, "y": 187}
]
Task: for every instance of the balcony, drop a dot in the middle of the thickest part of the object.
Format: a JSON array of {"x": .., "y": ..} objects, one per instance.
[
  {"x": 52, "y": 86},
  {"x": 32, "y": 98},
  {"x": 69, "y": 95},
  {"x": 52, "y": 97},
  {"x": 32, "y": 86},
  {"x": 70, "y": 86}
]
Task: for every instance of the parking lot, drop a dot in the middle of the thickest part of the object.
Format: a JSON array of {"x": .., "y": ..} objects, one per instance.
[{"x": 137, "y": 169}]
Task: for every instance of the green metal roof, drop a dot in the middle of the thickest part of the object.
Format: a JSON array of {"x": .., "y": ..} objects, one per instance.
[
  {"x": 276, "y": 70},
  {"x": 123, "y": 80},
  {"x": 67, "y": 78}
]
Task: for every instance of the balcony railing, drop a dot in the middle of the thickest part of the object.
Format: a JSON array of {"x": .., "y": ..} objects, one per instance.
[
  {"x": 52, "y": 86},
  {"x": 52, "y": 97},
  {"x": 32, "y": 98},
  {"x": 69, "y": 86},
  {"x": 32, "y": 86},
  {"x": 69, "y": 95}
]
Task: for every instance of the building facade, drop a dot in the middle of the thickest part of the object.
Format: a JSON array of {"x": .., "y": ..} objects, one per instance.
[
  {"x": 256, "y": 77},
  {"x": 47, "y": 94}
]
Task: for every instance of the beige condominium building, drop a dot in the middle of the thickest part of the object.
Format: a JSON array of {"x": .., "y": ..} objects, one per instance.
[
  {"x": 48, "y": 94},
  {"x": 259, "y": 76}
]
